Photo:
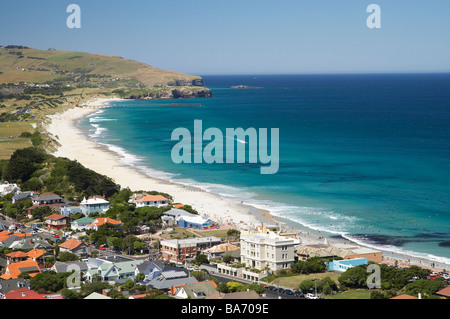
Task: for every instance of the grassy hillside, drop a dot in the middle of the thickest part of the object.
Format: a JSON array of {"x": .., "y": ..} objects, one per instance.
[{"x": 19, "y": 63}]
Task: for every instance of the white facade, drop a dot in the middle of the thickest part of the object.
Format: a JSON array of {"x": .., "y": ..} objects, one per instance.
[{"x": 261, "y": 251}]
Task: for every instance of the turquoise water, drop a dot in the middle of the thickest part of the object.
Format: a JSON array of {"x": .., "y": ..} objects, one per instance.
[{"x": 362, "y": 156}]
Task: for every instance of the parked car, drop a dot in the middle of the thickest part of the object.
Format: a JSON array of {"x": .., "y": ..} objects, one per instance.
[
  {"x": 289, "y": 292},
  {"x": 281, "y": 290},
  {"x": 311, "y": 296},
  {"x": 298, "y": 293},
  {"x": 55, "y": 236},
  {"x": 445, "y": 276}
]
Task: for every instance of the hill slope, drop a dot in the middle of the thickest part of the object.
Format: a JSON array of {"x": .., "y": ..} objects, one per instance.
[{"x": 24, "y": 64}]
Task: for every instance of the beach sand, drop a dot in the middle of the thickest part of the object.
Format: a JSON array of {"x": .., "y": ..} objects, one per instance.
[{"x": 75, "y": 145}]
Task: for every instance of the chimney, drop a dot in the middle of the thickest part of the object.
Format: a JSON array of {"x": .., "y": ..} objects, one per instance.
[{"x": 23, "y": 294}]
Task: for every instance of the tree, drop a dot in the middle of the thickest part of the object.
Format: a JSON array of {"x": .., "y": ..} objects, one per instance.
[
  {"x": 307, "y": 285},
  {"x": 67, "y": 256},
  {"x": 355, "y": 277},
  {"x": 40, "y": 212},
  {"x": 424, "y": 286},
  {"x": 201, "y": 259}
]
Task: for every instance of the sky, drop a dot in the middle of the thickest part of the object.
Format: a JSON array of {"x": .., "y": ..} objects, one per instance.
[{"x": 203, "y": 37}]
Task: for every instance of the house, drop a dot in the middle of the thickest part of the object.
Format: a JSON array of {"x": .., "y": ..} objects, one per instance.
[
  {"x": 267, "y": 250},
  {"x": 221, "y": 250},
  {"x": 151, "y": 269},
  {"x": 112, "y": 268},
  {"x": 63, "y": 267},
  {"x": 170, "y": 278},
  {"x": 7, "y": 188},
  {"x": 23, "y": 293},
  {"x": 444, "y": 292},
  {"x": 69, "y": 210},
  {"x": 36, "y": 255},
  {"x": 177, "y": 250},
  {"x": 196, "y": 290},
  {"x": 343, "y": 265},
  {"x": 57, "y": 221},
  {"x": 22, "y": 195},
  {"x": 152, "y": 200},
  {"x": 47, "y": 199},
  {"x": 75, "y": 247},
  {"x": 10, "y": 284},
  {"x": 96, "y": 295},
  {"x": 404, "y": 296},
  {"x": 15, "y": 269},
  {"x": 81, "y": 224},
  {"x": 94, "y": 204},
  {"x": 170, "y": 218},
  {"x": 346, "y": 251},
  {"x": 196, "y": 222},
  {"x": 101, "y": 221}
]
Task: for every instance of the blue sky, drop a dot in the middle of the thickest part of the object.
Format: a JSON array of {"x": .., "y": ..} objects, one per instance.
[{"x": 243, "y": 37}]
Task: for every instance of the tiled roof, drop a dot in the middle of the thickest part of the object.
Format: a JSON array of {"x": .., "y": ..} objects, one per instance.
[
  {"x": 15, "y": 268},
  {"x": 56, "y": 217},
  {"x": 71, "y": 244},
  {"x": 152, "y": 198},
  {"x": 104, "y": 220},
  {"x": 23, "y": 293}
]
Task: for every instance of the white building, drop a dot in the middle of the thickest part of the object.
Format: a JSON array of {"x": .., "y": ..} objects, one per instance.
[
  {"x": 261, "y": 250},
  {"x": 152, "y": 200},
  {"x": 7, "y": 188},
  {"x": 95, "y": 204}
]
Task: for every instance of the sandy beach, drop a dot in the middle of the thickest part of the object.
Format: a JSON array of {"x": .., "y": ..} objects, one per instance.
[{"x": 75, "y": 145}]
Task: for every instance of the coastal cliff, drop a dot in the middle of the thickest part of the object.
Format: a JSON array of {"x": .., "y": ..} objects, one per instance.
[{"x": 171, "y": 93}]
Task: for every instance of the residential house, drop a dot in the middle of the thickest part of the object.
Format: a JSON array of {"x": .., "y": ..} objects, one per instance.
[
  {"x": 57, "y": 221},
  {"x": 195, "y": 290},
  {"x": 170, "y": 278},
  {"x": 196, "y": 222},
  {"x": 7, "y": 188},
  {"x": 23, "y": 293},
  {"x": 445, "y": 292},
  {"x": 170, "y": 218},
  {"x": 48, "y": 199},
  {"x": 69, "y": 210},
  {"x": 11, "y": 284},
  {"x": 15, "y": 269},
  {"x": 178, "y": 250},
  {"x": 343, "y": 265},
  {"x": 22, "y": 195},
  {"x": 63, "y": 267},
  {"x": 101, "y": 221},
  {"x": 221, "y": 250},
  {"x": 36, "y": 255},
  {"x": 82, "y": 223},
  {"x": 151, "y": 269},
  {"x": 96, "y": 295},
  {"x": 152, "y": 200},
  {"x": 75, "y": 247},
  {"x": 112, "y": 268},
  {"x": 94, "y": 204},
  {"x": 345, "y": 251}
]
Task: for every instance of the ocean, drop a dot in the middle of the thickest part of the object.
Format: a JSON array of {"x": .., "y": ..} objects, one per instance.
[{"x": 366, "y": 157}]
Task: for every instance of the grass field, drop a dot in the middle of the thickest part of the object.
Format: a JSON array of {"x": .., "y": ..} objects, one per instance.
[
  {"x": 352, "y": 294},
  {"x": 8, "y": 147},
  {"x": 292, "y": 282}
]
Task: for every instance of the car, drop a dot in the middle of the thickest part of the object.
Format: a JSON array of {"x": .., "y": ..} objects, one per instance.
[
  {"x": 55, "y": 236},
  {"x": 179, "y": 265},
  {"x": 33, "y": 233},
  {"x": 311, "y": 296},
  {"x": 273, "y": 288},
  {"x": 445, "y": 276},
  {"x": 281, "y": 290},
  {"x": 288, "y": 292},
  {"x": 102, "y": 248},
  {"x": 298, "y": 293},
  {"x": 2, "y": 217}
]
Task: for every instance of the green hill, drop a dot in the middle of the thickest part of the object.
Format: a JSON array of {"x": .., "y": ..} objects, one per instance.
[{"x": 24, "y": 64}]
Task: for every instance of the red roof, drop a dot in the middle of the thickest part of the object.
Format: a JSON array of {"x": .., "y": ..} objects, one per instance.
[
  {"x": 23, "y": 293},
  {"x": 56, "y": 217}
]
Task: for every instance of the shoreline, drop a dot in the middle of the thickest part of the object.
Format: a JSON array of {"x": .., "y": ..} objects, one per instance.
[{"x": 75, "y": 144}]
